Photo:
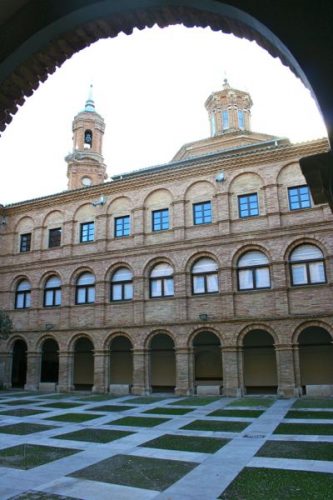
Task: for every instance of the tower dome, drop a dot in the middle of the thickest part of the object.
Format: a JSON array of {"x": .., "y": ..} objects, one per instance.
[{"x": 229, "y": 110}]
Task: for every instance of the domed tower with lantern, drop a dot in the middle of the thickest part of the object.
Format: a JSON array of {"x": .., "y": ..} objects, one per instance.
[{"x": 86, "y": 165}]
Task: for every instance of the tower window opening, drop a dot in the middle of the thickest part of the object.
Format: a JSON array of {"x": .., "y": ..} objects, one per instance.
[
  {"x": 241, "y": 119},
  {"x": 212, "y": 124},
  {"x": 88, "y": 136},
  {"x": 225, "y": 120}
]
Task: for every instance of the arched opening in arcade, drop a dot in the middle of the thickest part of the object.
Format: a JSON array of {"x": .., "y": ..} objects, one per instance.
[
  {"x": 121, "y": 365},
  {"x": 19, "y": 364},
  {"x": 208, "y": 374},
  {"x": 83, "y": 364},
  {"x": 316, "y": 361},
  {"x": 259, "y": 363},
  {"x": 50, "y": 362},
  {"x": 162, "y": 363}
]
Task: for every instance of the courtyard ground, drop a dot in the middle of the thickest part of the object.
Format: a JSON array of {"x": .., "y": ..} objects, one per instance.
[{"x": 86, "y": 446}]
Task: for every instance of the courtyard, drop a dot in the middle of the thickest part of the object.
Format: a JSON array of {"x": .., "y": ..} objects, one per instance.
[{"x": 95, "y": 446}]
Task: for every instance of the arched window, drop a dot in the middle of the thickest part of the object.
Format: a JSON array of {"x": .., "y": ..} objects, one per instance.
[
  {"x": 307, "y": 265},
  {"x": 161, "y": 281},
  {"x": 88, "y": 137},
  {"x": 253, "y": 271},
  {"x": 52, "y": 292},
  {"x": 205, "y": 276},
  {"x": 23, "y": 295},
  {"x": 85, "y": 289},
  {"x": 122, "y": 285}
]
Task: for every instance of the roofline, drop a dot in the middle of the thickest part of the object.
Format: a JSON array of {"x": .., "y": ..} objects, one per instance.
[{"x": 189, "y": 161}]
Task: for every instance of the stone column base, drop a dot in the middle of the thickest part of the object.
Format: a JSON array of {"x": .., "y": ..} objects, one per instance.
[
  {"x": 183, "y": 391},
  {"x": 288, "y": 392},
  {"x": 140, "y": 390},
  {"x": 31, "y": 387},
  {"x": 232, "y": 392}
]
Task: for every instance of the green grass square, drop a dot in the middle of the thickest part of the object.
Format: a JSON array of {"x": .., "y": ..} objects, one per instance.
[
  {"x": 40, "y": 495},
  {"x": 139, "y": 472},
  {"x": 74, "y": 417},
  {"x": 24, "y": 428},
  {"x": 112, "y": 408},
  {"x": 144, "y": 400},
  {"x": 28, "y": 456},
  {"x": 254, "y": 483},
  {"x": 297, "y": 449},
  {"x": 195, "y": 401},
  {"x": 186, "y": 443},
  {"x": 253, "y": 402},
  {"x": 20, "y": 402},
  {"x": 308, "y": 429},
  {"x": 325, "y": 415},
  {"x": 94, "y": 435},
  {"x": 61, "y": 395},
  {"x": 163, "y": 410},
  {"x": 236, "y": 413},
  {"x": 22, "y": 412},
  {"x": 216, "y": 426},
  {"x": 313, "y": 403},
  {"x": 139, "y": 421},
  {"x": 61, "y": 405},
  {"x": 96, "y": 397}
]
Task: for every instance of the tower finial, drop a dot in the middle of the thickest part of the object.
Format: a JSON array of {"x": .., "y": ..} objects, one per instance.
[
  {"x": 90, "y": 105},
  {"x": 226, "y": 84}
]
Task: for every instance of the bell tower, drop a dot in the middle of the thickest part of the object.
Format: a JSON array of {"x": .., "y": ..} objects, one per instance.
[
  {"x": 229, "y": 111},
  {"x": 86, "y": 164}
]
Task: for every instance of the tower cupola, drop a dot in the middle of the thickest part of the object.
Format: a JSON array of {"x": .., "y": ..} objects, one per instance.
[
  {"x": 86, "y": 164},
  {"x": 229, "y": 110}
]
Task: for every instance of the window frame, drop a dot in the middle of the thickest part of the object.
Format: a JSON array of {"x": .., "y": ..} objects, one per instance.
[
  {"x": 55, "y": 237},
  {"x": 247, "y": 196},
  {"x": 299, "y": 201},
  {"x": 204, "y": 275},
  {"x": 160, "y": 214},
  {"x": 122, "y": 284},
  {"x": 162, "y": 280},
  {"x": 24, "y": 294},
  {"x": 85, "y": 227},
  {"x": 123, "y": 226},
  {"x": 53, "y": 290},
  {"x": 86, "y": 289},
  {"x": 307, "y": 264},
  {"x": 25, "y": 242},
  {"x": 201, "y": 205}
]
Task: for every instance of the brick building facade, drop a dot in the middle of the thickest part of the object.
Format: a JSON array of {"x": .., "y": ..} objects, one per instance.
[{"x": 210, "y": 274}]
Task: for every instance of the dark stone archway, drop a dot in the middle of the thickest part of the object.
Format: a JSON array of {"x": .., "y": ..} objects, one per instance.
[
  {"x": 162, "y": 363},
  {"x": 19, "y": 364},
  {"x": 260, "y": 370}
]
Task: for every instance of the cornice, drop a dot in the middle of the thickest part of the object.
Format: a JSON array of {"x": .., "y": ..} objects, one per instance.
[{"x": 173, "y": 171}]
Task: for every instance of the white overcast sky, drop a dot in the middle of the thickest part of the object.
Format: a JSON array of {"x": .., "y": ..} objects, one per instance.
[{"x": 150, "y": 88}]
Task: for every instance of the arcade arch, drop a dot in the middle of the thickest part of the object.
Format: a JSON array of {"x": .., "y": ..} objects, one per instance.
[{"x": 259, "y": 363}]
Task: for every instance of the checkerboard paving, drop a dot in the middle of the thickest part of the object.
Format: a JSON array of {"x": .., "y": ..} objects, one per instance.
[{"x": 109, "y": 456}]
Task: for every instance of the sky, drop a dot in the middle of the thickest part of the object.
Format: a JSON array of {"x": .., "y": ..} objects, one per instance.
[{"x": 150, "y": 88}]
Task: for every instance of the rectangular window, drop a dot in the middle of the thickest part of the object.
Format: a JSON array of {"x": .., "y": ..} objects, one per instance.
[
  {"x": 160, "y": 219},
  {"x": 212, "y": 124},
  {"x": 87, "y": 232},
  {"x": 202, "y": 213},
  {"x": 122, "y": 226},
  {"x": 55, "y": 237},
  {"x": 225, "y": 120},
  {"x": 240, "y": 119},
  {"x": 299, "y": 197},
  {"x": 248, "y": 205},
  {"x": 25, "y": 242}
]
